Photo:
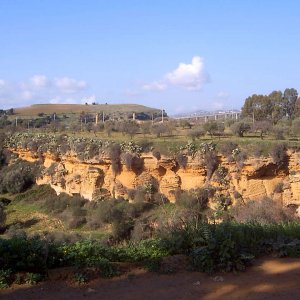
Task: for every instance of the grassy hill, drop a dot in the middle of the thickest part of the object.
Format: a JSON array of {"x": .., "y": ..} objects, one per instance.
[{"x": 71, "y": 109}]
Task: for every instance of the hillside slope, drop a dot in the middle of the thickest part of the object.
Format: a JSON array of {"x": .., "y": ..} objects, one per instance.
[{"x": 78, "y": 108}]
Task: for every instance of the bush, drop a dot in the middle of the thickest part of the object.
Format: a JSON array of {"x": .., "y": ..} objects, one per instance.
[
  {"x": 127, "y": 159},
  {"x": 211, "y": 162},
  {"x": 156, "y": 154},
  {"x": 77, "y": 222},
  {"x": 220, "y": 251},
  {"x": 32, "y": 278},
  {"x": 182, "y": 160},
  {"x": 263, "y": 211},
  {"x": 25, "y": 254},
  {"x": 240, "y": 128},
  {"x": 18, "y": 177},
  {"x": 196, "y": 133},
  {"x": 114, "y": 153},
  {"x": 278, "y": 154},
  {"x": 5, "y": 276},
  {"x": 227, "y": 148},
  {"x": 80, "y": 277},
  {"x": 2, "y": 217},
  {"x": 221, "y": 174},
  {"x": 159, "y": 129},
  {"x": 195, "y": 200},
  {"x": 278, "y": 132},
  {"x": 278, "y": 188}
]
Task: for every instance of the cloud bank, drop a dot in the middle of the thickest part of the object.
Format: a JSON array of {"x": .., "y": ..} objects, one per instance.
[{"x": 40, "y": 89}]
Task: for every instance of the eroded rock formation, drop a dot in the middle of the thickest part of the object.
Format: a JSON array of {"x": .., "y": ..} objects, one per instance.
[{"x": 255, "y": 178}]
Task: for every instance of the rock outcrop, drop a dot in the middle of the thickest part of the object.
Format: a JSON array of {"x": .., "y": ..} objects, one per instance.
[{"x": 255, "y": 178}]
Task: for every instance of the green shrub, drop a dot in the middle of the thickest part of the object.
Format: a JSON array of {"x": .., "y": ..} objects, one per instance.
[
  {"x": 107, "y": 269},
  {"x": 18, "y": 176},
  {"x": 32, "y": 278},
  {"x": 80, "y": 277},
  {"x": 24, "y": 254},
  {"x": 5, "y": 276}
]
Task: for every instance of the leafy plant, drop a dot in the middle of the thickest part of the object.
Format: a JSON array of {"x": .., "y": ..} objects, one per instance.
[
  {"x": 5, "y": 278},
  {"x": 80, "y": 277},
  {"x": 32, "y": 278}
]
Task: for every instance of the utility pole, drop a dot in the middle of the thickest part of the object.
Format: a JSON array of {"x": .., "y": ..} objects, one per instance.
[{"x": 16, "y": 121}]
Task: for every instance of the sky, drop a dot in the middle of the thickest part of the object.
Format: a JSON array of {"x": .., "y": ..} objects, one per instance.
[{"x": 178, "y": 55}]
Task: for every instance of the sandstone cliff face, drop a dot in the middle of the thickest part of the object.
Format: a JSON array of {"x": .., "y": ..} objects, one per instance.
[{"x": 93, "y": 179}]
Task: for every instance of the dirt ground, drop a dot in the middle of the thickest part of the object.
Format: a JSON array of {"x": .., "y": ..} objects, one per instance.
[{"x": 270, "y": 278}]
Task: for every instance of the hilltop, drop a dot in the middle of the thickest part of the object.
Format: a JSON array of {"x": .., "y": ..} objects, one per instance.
[{"x": 71, "y": 109}]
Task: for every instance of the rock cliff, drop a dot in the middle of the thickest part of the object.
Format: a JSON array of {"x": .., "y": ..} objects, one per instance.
[{"x": 253, "y": 179}]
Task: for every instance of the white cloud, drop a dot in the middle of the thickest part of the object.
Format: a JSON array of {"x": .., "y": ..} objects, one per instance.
[
  {"x": 39, "y": 81},
  {"x": 154, "y": 86},
  {"x": 69, "y": 85},
  {"x": 187, "y": 76},
  {"x": 41, "y": 89},
  {"x": 27, "y": 95}
]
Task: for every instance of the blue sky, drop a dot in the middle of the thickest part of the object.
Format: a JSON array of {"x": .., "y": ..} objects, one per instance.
[{"x": 177, "y": 55}]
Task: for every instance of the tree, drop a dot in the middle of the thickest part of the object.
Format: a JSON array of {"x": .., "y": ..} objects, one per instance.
[
  {"x": 240, "y": 128},
  {"x": 159, "y": 129},
  {"x": 108, "y": 127},
  {"x": 277, "y": 103},
  {"x": 214, "y": 128},
  {"x": 290, "y": 97},
  {"x": 296, "y": 127},
  {"x": 274, "y": 106},
  {"x": 131, "y": 128},
  {"x": 211, "y": 127},
  {"x": 257, "y": 106},
  {"x": 262, "y": 127},
  {"x": 185, "y": 123},
  {"x": 196, "y": 133},
  {"x": 145, "y": 128}
]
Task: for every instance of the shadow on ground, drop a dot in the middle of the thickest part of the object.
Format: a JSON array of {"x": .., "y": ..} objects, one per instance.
[{"x": 270, "y": 278}]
